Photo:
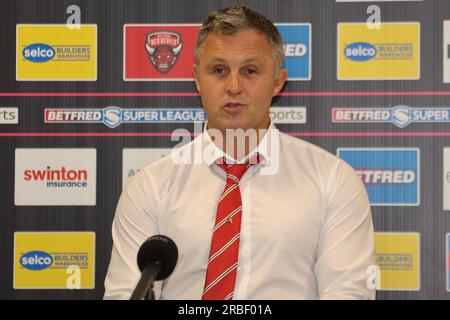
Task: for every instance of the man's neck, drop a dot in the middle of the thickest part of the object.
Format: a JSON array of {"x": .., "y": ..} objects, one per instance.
[{"x": 237, "y": 143}]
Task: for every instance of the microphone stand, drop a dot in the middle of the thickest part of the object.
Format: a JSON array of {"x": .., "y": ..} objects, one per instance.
[{"x": 146, "y": 282}]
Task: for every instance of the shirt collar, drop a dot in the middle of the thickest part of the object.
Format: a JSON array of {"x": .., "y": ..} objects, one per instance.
[{"x": 213, "y": 154}]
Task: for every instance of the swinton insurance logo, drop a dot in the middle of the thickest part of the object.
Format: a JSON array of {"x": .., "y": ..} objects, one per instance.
[
  {"x": 297, "y": 49},
  {"x": 389, "y": 53},
  {"x": 54, "y": 260},
  {"x": 159, "y": 52},
  {"x": 64, "y": 177},
  {"x": 56, "y": 52},
  {"x": 401, "y": 116},
  {"x": 391, "y": 175},
  {"x": 112, "y": 117}
]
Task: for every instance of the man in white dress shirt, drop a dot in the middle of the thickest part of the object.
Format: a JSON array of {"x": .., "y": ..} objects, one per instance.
[{"x": 304, "y": 226}]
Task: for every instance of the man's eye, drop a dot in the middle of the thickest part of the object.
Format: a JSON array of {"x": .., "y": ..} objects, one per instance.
[
  {"x": 219, "y": 71},
  {"x": 250, "y": 71}
]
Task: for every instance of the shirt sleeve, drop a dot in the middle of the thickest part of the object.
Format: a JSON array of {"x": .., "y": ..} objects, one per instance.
[
  {"x": 346, "y": 247},
  {"x": 135, "y": 220}
]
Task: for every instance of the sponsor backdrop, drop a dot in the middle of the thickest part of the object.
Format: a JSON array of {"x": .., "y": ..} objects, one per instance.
[{"x": 84, "y": 108}]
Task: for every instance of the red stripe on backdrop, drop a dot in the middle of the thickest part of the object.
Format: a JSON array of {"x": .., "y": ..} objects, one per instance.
[{"x": 169, "y": 134}]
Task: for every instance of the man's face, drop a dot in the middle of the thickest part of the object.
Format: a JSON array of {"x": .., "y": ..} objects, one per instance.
[{"x": 236, "y": 80}]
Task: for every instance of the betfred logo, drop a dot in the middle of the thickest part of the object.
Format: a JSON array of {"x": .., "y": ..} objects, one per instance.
[
  {"x": 55, "y": 177},
  {"x": 377, "y": 177},
  {"x": 115, "y": 116},
  {"x": 391, "y": 176},
  {"x": 159, "y": 52},
  {"x": 401, "y": 116},
  {"x": 163, "y": 48}
]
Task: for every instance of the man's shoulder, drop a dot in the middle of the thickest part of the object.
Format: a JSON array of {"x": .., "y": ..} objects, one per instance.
[
  {"x": 302, "y": 148},
  {"x": 175, "y": 159}
]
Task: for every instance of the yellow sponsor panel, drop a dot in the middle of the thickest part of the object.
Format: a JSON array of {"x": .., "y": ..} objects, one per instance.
[
  {"x": 54, "y": 260},
  {"x": 391, "y": 52},
  {"x": 398, "y": 257},
  {"x": 56, "y": 52}
]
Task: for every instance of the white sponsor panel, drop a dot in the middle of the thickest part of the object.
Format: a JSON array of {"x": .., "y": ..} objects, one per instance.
[
  {"x": 136, "y": 159},
  {"x": 446, "y": 171},
  {"x": 446, "y": 51},
  {"x": 288, "y": 115},
  {"x": 55, "y": 177},
  {"x": 9, "y": 115}
]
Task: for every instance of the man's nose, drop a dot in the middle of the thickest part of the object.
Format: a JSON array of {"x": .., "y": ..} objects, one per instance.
[{"x": 233, "y": 84}]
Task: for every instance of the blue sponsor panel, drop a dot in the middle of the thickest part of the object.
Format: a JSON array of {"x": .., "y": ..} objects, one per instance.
[
  {"x": 297, "y": 50},
  {"x": 391, "y": 176}
]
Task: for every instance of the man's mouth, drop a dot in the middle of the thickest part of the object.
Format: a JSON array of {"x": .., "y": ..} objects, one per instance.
[{"x": 233, "y": 107}]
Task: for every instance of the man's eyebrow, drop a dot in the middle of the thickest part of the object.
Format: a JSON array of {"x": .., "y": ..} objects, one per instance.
[{"x": 222, "y": 60}]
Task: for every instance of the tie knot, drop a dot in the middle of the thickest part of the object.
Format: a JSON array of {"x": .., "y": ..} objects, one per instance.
[{"x": 236, "y": 171}]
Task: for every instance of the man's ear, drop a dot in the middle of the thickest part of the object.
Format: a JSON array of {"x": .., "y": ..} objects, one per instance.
[
  {"x": 195, "y": 74},
  {"x": 280, "y": 81}
]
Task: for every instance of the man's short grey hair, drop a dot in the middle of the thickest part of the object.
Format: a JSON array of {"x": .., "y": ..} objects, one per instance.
[{"x": 231, "y": 20}]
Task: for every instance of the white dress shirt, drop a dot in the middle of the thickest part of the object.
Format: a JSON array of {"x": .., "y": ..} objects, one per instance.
[{"x": 306, "y": 229}]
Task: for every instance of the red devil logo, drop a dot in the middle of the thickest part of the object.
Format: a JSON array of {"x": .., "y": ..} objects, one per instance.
[{"x": 163, "y": 48}]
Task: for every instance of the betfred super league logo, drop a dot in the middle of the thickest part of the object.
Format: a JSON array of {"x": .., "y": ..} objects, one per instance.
[{"x": 163, "y": 49}]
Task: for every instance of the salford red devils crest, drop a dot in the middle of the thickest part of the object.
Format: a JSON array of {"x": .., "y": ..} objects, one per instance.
[{"x": 163, "y": 48}]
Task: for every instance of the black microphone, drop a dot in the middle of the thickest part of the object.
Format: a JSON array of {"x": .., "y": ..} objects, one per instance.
[{"x": 156, "y": 259}]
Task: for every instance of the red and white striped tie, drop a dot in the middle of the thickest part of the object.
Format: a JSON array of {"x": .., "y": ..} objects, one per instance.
[{"x": 223, "y": 256}]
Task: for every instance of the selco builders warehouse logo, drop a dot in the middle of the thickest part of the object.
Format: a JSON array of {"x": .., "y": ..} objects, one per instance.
[
  {"x": 397, "y": 255},
  {"x": 391, "y": 175},
  {"x": 297, "y": 49},
  {"x": 401, "y": 116},
  {"x": 55, "y": 177},
  {"x": 389, "y": 53},
  {"x": 54, "y": 260},
  {"x": 159, "y": 52},
  {"x": 55, "y": 52}
]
